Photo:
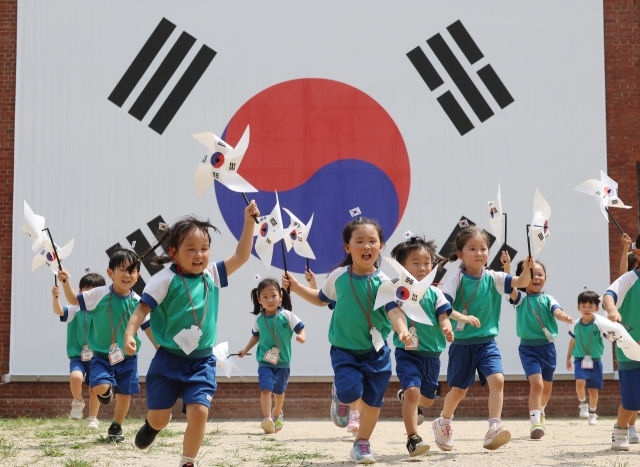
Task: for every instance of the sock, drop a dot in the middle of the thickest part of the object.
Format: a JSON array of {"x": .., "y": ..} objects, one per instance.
[
  {"x": 583, "y": 401},
  {"x": 74, "y": 400},
  {"x": 592, "y": 410},
  {"x": 617, "y": 427},
  {"x": 543, "y": 408},
  {"x": 113, "y": 423},
  {"x": 92, "y": 417},
  {"x": 444, "y": 421},
  {"x": 535, "y": 416},
  {"x": 493, "y": 422},
  {"x": 186, "y": 460}
]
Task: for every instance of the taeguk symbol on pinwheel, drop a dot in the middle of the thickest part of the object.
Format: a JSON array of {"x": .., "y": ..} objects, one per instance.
[
  {"x": 406, "y": 292},
  {"x": 222, "y": 163}
]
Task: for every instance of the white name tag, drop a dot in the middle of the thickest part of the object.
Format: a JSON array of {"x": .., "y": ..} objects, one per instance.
[
  {"x": 460, "y": 326},
  {"x": 376, "y": 338},
  {"x": 587, "y": 363},
  {"x": 188, "y": 339},
  {"x": 116, "y": 355},
  {"x": 272, "y": 356},
  {"x": 550, "y": 337},
  {"x": 414, "y": 339},
  {"x": 86, "y": 354}
]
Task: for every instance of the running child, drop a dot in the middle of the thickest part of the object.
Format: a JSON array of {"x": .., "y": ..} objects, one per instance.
[
  {"x": 537, "y": 328},
  {"x": 78, "y": 349},
  {"x": 622, "y": 301},
  {"x": 111, "y": 306},
  {"x": 418, "y": 364},
  {"x": 587, "y": 346},
  {"x": 183, "y": 303},
  {"x": 359, "y": 353},
  {"x": 477, "y": 293},
  {"x": 273, "y": 329}
]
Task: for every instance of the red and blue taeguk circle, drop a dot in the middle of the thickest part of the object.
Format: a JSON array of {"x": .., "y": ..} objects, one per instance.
[
  {"x": 326, "y": 147},
  {"x": 402, "y": 293}
]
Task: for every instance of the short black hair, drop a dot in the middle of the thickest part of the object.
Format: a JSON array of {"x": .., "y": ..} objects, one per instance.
[
  {"x": 91, "y": 281},
  {"x": 589, "y": 297},
  {"x": 121, "y": 257}
]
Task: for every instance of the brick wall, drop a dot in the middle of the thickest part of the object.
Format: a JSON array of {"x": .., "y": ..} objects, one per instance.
[
  {"x": 303, "y": 400},
  {"x": 241, "y": 400}
]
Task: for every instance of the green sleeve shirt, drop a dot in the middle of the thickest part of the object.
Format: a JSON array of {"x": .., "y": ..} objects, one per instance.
[
  {"x": 626, "y": 295},
  {"x": 78, "y": 328},
  {"x": 588, "y": 340},
  {"x": 532, "y": 312},
  {"x": 276, "y": 331}
]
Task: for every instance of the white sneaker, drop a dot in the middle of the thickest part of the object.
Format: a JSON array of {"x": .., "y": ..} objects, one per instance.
[
  {"x": 620, "y": 439},
  {"x": 496, "y": 436},
  {"x": 443, "y": 435},
  {"x": 584, "y": 410},
  {"x": 92, "y": 423},
  {"x": 76, "y": 410},
  {"x": 593, "y": 419},
  {"x": 633, "y": 435}
]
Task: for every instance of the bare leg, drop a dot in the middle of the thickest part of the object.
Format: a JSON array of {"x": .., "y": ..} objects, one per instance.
[
  {"x": 410, "y": 410},
  {"x": 265, "y": 403},
  {"x": 75, "y": 383},
  {"x": 197, "y": 415},
  {"x": 535, "y": 392},
  {"x": 159, "y": 419},
  {"x": 625, "y": 417},
  {"x": 279, "y": 402},
  {"x": 451, "y": 401},
  {"x": 593, "y": 398},
  {"x": 121, "y": 409},
  {"x": 496, "y": 388},
  {"x": 368, "y": 419},
  {"x": 94, "y": 403},
  {"x": 580, "y": 385},
  {"x": 546, "y": 392}
]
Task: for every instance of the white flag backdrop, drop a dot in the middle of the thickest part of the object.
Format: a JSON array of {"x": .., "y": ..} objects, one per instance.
[{"x": 341, "y": 117}]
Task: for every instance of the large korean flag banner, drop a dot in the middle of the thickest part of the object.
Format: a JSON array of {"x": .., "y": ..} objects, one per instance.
[{"x": 412, "y": 112}]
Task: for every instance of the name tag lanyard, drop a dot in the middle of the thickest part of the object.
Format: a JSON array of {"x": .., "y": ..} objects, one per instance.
[
  {"x": 193, "y": 308},
  {"x": 465, "y": 305},
  {"x": 586, "y": 351},
  {"x": 538, "y": 315},
  {"x": 273, "y": 333},
  {"x": 115, "y": 333},
  {"x": 367, "y": 312}
]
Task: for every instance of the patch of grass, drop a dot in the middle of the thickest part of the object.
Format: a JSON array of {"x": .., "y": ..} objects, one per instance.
[
  {"x": 618, "y": 463},
  {"x": 44, "y": 434},
  {"x": 168, "y": 433},
  {"x": 8, "y": 449},
  {"x": 50, "y": 451},
  {"x": 284, "y": 459},
  {"x": 79, "y": 445},
  {"x": 78, "y": 463},
  {"x": 217, "y": 430},
  {"x": 102, "y": 439}
]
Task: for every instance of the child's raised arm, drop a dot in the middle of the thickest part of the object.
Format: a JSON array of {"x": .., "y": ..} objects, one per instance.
[
  {"x": 243, "y": 250},
  {"x": 572, "y": 344},
  {"x": 310, "y": 295},
  {"x": 57, "y": 306},
  {"x": 70, "y": 294},
  {"x": 136, "y": 320},
  {"x": 521, "y": 281},
  {"x": 624, "y": 259}
]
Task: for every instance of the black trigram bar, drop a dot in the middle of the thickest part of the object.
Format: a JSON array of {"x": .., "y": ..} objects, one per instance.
[
  {"x": 142, "y": 247},
  {"x": 425, "y": 68},
  {"x": 455, "y": 113},
  {"x": 154, "y": 226},
  {"x": 142, "y": 61},
  {"x": 140, "y": 283},
  {"x": 465, "y": 42},
  {"x": 460, "y": 77},
  {"x": 162, "y": 76},
  {"x": 180, "y": 93},
  {"x": 495, "y": 86}
]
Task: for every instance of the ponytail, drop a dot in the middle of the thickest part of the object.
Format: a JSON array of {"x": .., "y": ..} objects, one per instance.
[{"x": 256, "y": 304}]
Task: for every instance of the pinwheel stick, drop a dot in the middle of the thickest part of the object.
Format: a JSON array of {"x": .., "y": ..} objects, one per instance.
[
  {"x": 55, "y": 252},
  {"x": 529, "y": 247},
  {"x": 246, "y": 200},
  {"x": 236, "y": 354},
  {"x": 614, "y": 220},
  {"x": 505, "y": 230},
  {"x": 284, "y": 261},
  {"x": 307, "y": 263}
]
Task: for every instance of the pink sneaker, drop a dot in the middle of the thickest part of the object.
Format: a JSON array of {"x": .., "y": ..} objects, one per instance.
[
  {"x": 496, "y": 436},
  {"x": 354, "y": 423},
  {"x": 443, "y": 435}
]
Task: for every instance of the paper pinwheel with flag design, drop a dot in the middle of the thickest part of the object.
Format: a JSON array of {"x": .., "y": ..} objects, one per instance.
[
  {"x": 406, "y": 292},
  {"x": 540, "y": 222},
  {"x": 269, "y": 230},
  {"x": 605, "y": 191},
  {"x": 495, "y": 217},
  {"x": 615, "y": 332},
  {"x": 33, "y": 225},
  {"x": 297, "y": 237},
  {"x": 222, "y": 163},
  {"x": 223, "y": 360}
]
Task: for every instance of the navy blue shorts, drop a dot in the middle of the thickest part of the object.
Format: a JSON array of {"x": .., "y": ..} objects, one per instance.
[
  {"x": 123, "y": 376},
  {"x": 76, "y": 364},
  {"x": 593, "y": 377},
  {"x": 363, "y": 376},
  {"x": 416, "y": 371},
  {"x": 629, "y": 388},
  {"x": 172, "y": 376},
  {"x": 539, "y": 359},
  {"x": 273, "y": 379},
  {"x": 464, "y": 360}
]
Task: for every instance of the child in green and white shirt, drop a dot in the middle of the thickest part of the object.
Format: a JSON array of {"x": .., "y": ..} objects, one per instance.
[{"x": 273, "y": 329}]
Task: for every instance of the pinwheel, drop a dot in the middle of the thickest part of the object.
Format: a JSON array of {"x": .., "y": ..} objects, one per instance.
[
  {"x": 540, "y": 223},
  {"x": 406, "y": 292},
  {"x": 33, "y": 225},
  {"x": 298, "y": 234},
  {"x": 269, "y": 230},
  {"x": 495, "y": 218},
  {"x": 223, "y": 359},
  {"x": 605, "y": 191},
  {"x": 222, "y": 163},
  {"x": 616, "y": 332}
]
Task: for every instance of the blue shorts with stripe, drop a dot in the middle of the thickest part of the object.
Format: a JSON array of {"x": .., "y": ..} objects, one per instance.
[
  {"x": 416, "y": 371},
  {"x": 465, "y": 360},
  {"x": 538, "y": 359},
  {"x": 123, "y": 376},
  {"x": 629, "y": 389},
  {"x": 593, "y": 377},
  {"x": 273, "y": 379}
]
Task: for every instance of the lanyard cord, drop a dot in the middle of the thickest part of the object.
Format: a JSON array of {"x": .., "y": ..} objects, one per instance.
[
  {"x": 274, "y": 334},
  {"x": 466, "y": 304},
  {"x": 84, "y": 326},
  {"x": 366, "y": 313},
  {"x": 114, "y": 334},
  {"x": 539, "y": 315},
  {"x": 193, "y": 308},
  {"x": 586, "y": 351}
]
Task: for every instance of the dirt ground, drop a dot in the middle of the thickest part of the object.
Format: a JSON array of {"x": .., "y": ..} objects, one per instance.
[{"x": 63, "y": 442}]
